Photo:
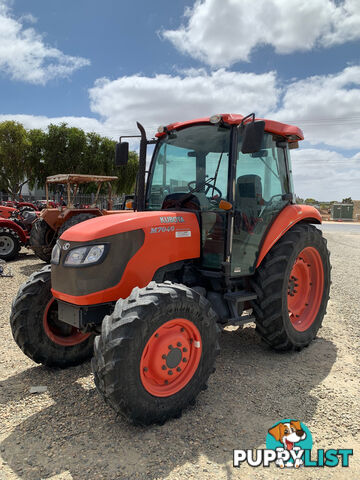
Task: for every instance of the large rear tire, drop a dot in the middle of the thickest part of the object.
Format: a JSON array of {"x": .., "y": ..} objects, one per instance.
[
  {"x": 82, "y": 217},
  {"x": 292, "y": 284},
  {"x": 10, "y": 243},
  {"x": 156, "y": 352},
  {"x": 42, "y": 239},
  {"x": 37, "y": 330}
]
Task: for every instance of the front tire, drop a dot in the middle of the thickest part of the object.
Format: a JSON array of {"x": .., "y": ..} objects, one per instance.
[
  {"x": 292, "y": 284},
  {"x": 37, "y": 330},
  {"x": 156, "y": 352},
  {"x": 10, "y": 244}
]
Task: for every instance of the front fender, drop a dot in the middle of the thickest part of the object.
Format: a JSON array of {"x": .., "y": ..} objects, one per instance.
[
  {"x": 14, "y": 226},
  {"x": 288, "y": 217}
]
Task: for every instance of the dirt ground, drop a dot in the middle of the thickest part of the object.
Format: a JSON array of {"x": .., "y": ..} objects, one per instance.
[{"x": 69, "y": 433}]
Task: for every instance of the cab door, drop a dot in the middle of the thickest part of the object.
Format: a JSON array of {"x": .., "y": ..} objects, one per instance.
[{"x": 261, "y": 192}]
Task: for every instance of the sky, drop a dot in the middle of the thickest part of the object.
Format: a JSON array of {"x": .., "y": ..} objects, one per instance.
[{"x": 103, "y": 65}]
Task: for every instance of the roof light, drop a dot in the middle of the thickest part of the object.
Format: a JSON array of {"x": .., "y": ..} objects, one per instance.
[{"x": 215, "y": 119}]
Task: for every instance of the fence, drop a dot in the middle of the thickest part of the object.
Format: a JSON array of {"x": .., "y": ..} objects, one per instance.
[{"x": 80, "y": 199}]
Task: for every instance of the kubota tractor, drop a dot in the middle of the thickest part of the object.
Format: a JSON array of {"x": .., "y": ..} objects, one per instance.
[
  {"x": 53, "y": 221},
  {"x": 215, "y": 239}
]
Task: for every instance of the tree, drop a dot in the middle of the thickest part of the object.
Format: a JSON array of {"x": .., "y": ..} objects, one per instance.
[
  {"x": 347, "y": 200},
  {"x": 14, "y": 166},
  {"x": 310, "y": 200}
]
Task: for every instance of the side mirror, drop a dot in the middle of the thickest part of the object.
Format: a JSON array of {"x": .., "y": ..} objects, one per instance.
[
  {"x": 122, "y": 153},
  {"x": 253, "y": 134}
]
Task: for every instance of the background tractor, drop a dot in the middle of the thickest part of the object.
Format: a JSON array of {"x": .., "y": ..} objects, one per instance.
[
  {"x": 52, "y": 222},
  {"x": 15, "y": 228},
  {"x": 215, "y": 239}
]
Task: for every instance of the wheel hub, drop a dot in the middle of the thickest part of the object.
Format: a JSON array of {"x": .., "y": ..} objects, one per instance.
[
  {"x": 6, "y": 245},
  {"x": 305, "y": 288},
  {"x": 170, "y": 357},
  {"x": 173, "y": 358}
]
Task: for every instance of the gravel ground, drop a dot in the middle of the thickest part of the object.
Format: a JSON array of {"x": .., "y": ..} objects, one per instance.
[{"x": 69, "y": 433}]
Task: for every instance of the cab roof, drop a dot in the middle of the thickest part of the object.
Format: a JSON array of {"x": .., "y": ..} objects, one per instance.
[{"x": 291, "y": 132}]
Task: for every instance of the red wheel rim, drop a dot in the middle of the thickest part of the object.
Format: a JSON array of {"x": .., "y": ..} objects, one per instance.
[
  {"x": 305, "y": 289},
  {"x": 59, "y": 332},
  {"x": 170, "y": 357}
]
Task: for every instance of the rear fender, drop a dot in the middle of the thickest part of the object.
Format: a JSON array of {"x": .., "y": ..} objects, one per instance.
[
  {"x": 14, "y": 226},
  {"x": 288, "y": 217}
]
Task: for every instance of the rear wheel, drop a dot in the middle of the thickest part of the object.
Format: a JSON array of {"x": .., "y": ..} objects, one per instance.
[
  {"x": 292, "y": 284},
  {"x": 82, "y": 217},
  {"x": 38, "y": 331},
  {"x": 10, "y": 244},
  {"x": 42, "y": 239},
  {"x": 156, "y": 352}
]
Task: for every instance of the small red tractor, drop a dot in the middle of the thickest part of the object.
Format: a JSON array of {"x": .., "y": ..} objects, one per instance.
[
  {"x": 15, "y": 227},
  {"x": 216, "y": 239},
  {"x": 52, "y": 221}
]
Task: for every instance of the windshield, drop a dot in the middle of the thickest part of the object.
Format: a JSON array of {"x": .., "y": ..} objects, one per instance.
[{"x": 193, "y": 160}]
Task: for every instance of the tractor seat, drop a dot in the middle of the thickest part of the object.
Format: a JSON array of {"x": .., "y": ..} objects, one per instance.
[
  {"x": 248, "y": 202},
  {"x": 171, "y": 201}
]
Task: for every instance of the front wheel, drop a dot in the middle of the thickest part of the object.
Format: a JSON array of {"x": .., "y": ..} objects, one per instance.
[
  {"x": 156, "y": 352},
  {"x": 38, "y": 331},
  {"x": 10, "y": 243},
  {"x": 292, "y": 284}
]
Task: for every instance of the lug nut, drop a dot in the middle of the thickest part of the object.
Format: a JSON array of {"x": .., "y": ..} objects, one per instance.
[
  {"x": 178, "y": 344},
  {"x": 156, "y": 335},
  {"x": 184, "y": 360},
  {"x": 170, "y": 347},
  {"x": 178, "y": 369},
  {"x": 163, "y": 367},
  {"x": 182, "y": 329},
  {"x": 146, "y": 369},
  {"x": 170, "y": 372},
  {"x": 184, "y": 349},
  {"x": 163, "y": 356}
]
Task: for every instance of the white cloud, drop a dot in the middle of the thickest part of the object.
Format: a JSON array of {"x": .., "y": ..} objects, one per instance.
[
  {"x": 24, "y": 56},
  {"x": 329, "y": 104},
  {"x": 325, "y": 174},
  {"x": 164, "y": 99},
  {"x": 222, "y": 32},
  {"x": 326, "y": 107}
]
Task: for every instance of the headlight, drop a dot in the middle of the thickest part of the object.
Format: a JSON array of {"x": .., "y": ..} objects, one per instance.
[
  {"x": 55, "y": 254},
  {"x": 85, "y": 255}
]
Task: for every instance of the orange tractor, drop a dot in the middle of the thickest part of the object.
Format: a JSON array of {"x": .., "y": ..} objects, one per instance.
[
  {"x": 216, "y": 239},
  {"x": 52, "y": 221}
]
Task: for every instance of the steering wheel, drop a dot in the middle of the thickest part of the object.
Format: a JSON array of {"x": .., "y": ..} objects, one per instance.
[{"x": 207, "y": 186}]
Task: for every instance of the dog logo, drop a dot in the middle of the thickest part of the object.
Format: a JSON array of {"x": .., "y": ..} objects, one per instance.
[{"x": 292, "y": 436}]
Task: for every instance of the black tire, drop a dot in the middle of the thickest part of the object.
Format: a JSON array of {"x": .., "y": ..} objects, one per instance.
[
  {"x": 42, "y": 239},
  {"x": 271, "y": 283},
  {"x": 82, "y": 217},
  {"x": 118, "y": 351},
  {"x": 10, "y": 243},
  {"x": 27, "y": 326}
]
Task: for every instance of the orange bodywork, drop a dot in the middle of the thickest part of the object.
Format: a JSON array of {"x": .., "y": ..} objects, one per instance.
[
  {"x": 169, "y": 238},
  {"x": 288, "y": 217}
]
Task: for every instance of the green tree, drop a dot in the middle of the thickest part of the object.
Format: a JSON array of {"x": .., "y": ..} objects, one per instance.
[
  {"x": 347, "y": 200},
  {"x": 35, "y": 156},
  {"x": 14, "y": 165},
  {"x": 310, "y": 200}
]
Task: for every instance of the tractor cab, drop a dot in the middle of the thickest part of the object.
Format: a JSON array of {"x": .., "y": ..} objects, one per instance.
[{"x": 234, "y": 175}]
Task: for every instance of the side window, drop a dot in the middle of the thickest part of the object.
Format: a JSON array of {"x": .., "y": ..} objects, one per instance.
[{"x": 261, "y": 182}]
